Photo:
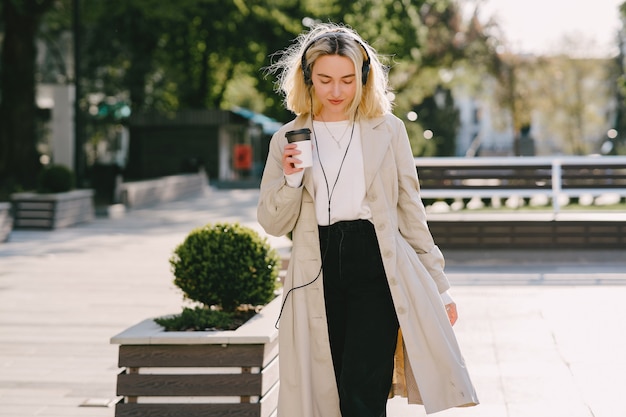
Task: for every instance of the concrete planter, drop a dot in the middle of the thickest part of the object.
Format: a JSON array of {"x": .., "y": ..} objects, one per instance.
[
  {"x": 6, "y": 221},
  {"x": 193, "y": 374},
  {"x": 52, "y": 211},
  {"x": 144, "y": 193}
]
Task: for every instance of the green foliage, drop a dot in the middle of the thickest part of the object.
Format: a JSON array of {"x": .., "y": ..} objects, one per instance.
[
  {"x": 202, "y": 319},
  {"x": 55, "y": 179},
  {"x": 195, "y": 54},
  {"x": 226, "y": 265},
  {"x": 438, "y": 115},
  {"x": 163, "y": 57}
]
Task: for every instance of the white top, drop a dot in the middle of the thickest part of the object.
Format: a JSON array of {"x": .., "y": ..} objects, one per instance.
[
  {"x": 339, "y": 176},
  {"x": 338, "y": 173}
]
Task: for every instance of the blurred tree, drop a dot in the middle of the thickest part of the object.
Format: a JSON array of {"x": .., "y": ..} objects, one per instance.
[
  {"x": 440, "y": 120},
  {"x": 55, "y": 59},
  {"x": 202, "y": 53},
  {"x": 19, "y": 160},
  {"x": 619, "y": 142},
  {"x": 186, "y": 55},
  {"x": 221, "y": 43},
  {"x": 570, "y": 96},
  {"x": 566, "y": 93},
  {"x": 430, "y": 46},
  {"x": 210, "y": 53},
  {"x": 122, "y": 38},
  {"x": 514, "y": 90}
]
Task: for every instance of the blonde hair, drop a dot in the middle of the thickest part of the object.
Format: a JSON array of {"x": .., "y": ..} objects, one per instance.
[{"x": 371, "y": 99}]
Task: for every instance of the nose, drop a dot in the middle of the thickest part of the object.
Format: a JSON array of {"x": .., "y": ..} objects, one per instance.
[{"x": 336, "y": 89}]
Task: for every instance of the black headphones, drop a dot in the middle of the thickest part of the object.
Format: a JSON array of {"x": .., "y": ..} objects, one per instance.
[{"x": 306, "y": 68}]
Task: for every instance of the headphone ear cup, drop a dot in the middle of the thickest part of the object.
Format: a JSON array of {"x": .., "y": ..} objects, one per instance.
[
  {"x": 306, "y": 72},
  {"x": 306, "y": 69},
  {"x": 365, "y": 71}
]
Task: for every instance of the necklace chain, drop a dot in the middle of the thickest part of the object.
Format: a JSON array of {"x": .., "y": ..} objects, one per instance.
[{"x": 337, "y": 141}]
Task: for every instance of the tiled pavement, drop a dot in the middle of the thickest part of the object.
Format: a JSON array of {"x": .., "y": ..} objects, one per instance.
[{"x": 542, "y": 332}]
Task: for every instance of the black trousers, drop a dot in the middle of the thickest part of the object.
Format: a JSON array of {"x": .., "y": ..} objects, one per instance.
[{"x": 362, "y": 322}]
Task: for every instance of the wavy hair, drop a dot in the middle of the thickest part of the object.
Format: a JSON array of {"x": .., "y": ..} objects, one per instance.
[{"x": 371, "y": 99}]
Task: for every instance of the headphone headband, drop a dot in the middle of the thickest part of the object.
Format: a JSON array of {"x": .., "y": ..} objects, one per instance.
[{"x": 306, "y": 68}]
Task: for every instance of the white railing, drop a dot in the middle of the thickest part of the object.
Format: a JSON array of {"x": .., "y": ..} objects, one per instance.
[{"x": 498, "y": 189}]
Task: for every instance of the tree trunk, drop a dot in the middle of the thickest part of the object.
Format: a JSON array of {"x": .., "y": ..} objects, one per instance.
[
  {"x": 142, "y": 44},
  {"x": 19, "y": 159}
]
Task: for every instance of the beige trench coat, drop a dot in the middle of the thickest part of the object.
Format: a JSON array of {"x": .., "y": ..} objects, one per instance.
[{"x": 430, "y": 369}]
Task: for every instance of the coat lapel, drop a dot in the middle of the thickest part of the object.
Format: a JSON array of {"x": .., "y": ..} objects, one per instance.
[{"x": 375, "y": 143}]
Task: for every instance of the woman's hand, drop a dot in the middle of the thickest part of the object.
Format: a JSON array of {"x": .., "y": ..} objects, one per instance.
[
  {"x": 289, "y": 159},
  {"x": 452, "y": 313}
]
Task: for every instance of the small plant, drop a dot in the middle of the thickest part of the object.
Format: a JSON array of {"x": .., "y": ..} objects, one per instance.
[
  {"x": 55, "y": 179},
  {"x": 228, "y": 269},
  {"x": 201, "y": 319}
]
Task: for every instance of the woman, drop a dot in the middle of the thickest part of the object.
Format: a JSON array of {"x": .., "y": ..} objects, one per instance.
[{"x": 366, "y": 312}]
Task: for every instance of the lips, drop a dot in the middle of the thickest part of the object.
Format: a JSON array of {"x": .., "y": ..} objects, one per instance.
[{"x": 335, "y": 102}]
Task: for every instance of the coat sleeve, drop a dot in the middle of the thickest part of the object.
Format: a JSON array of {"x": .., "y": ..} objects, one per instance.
[
  {"x": 411, "y": 213},
  {"x": 279, "y": 204}
]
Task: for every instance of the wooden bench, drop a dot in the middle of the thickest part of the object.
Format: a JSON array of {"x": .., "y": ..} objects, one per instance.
[
  {"x": 572, "y": 177},
  {"x": 524, "y": 177},
  {"x": 528, "y": 231}
]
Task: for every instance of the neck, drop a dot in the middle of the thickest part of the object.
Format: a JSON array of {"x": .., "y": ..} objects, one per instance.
[{"x": 331, "y": 117}]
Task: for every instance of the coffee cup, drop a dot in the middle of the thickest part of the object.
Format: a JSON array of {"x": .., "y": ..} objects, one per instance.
[{"x": 302, "y": 139}]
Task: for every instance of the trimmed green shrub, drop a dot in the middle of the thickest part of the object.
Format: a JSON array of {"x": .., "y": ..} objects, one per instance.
[
  {"x": 55, "y": 179},
  {"x": 226, "y": 265}
]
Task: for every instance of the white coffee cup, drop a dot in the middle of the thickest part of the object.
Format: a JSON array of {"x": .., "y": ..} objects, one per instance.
[{"x": 302, "y": 139}]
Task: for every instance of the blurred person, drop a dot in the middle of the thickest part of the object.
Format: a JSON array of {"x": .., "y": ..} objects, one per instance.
[{"x": 366, "y": 312}]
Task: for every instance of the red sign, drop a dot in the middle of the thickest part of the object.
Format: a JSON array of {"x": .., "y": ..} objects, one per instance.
[{"x": 243, "y": 157}]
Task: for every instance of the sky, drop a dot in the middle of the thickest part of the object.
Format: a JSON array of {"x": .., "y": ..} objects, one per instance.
[{"x": 538, "y": 26}]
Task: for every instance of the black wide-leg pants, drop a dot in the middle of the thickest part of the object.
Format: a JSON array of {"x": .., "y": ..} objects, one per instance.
[{"x": 362, "y": 322}]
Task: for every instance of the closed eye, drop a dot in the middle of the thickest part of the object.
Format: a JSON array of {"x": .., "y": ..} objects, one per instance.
[{"x": 348, "y": 79}]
